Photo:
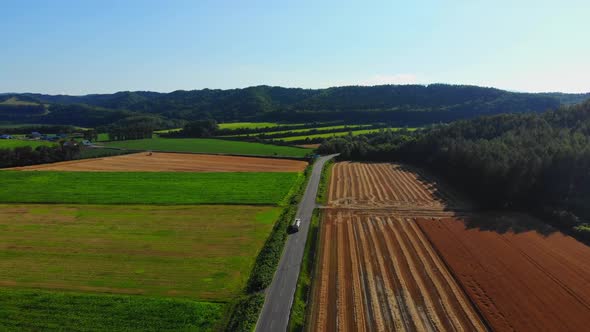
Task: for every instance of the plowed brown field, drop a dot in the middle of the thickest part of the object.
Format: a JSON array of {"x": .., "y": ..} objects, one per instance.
[
  {"x": 378, "y": 272},
  {"x": 520, "y": 282},
  {"x": 173, "y": 162},
  {"x": 385, "y": 185}
]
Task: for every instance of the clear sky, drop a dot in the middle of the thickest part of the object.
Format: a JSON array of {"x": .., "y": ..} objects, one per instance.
[{"x": 102, "y": 46}]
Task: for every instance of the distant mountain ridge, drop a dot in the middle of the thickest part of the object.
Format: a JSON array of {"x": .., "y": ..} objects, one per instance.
[{"x": 401, "y": 104}]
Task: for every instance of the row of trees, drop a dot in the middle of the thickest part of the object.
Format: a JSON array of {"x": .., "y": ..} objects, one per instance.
[
  {"x": 538, "y": 162},
  {"x": 200, "y": 129},
  {"x": 131, "y": 128},
  {"x": 23, "y": 156}
]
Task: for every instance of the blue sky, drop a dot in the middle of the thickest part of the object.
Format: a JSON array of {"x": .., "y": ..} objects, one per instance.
[{"x": 79, "y": 47}]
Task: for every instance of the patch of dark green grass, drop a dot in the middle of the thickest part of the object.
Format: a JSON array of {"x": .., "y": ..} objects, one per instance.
[{"x": 35, "y": 310}]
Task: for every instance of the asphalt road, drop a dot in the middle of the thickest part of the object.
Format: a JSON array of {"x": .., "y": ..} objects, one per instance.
[{"x": 279, "y": 295}]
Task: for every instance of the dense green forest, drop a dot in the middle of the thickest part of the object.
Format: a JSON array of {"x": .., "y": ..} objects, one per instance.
[
  {"x": 25, "y": 155},
  {"x": 537, "y": 162},
  {"x": 400, "y": 105}
]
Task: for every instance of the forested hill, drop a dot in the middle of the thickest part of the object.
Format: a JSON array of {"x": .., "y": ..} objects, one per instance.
[
  {"x": 537, "y": 162},
  {"x": 400, "y": 104}
]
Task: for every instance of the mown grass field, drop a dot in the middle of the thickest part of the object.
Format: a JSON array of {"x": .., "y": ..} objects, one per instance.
[
  {"x": 199, "y": 145},
  {"x": 197, "y": 252},
  {"x": 13, "y": 143},
  {"x": 302, "y": 130},
  {"x": 338, "y": 134},
  {"x": 102, "y": 137},
  {"x": 38, "y": 310},
  {"x": 247, "y": 125},
  {"x": 145, "y": 187}
]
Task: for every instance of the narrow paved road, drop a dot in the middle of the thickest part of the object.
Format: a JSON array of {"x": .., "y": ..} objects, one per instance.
[{"x": 279, "y": 296}]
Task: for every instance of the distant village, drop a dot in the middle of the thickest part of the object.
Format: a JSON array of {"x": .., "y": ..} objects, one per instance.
[{"x": 70, "y": 139}]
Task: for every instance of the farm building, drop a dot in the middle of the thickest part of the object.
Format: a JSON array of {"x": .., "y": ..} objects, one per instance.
[{"x": 5, "y": 137}]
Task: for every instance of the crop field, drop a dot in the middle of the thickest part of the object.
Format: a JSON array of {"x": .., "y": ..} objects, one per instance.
[
  {"x": 213, "y": 146},
  {"x": 384, "y": 185},
  {"x": 202, "y": 252},
  {"x": 39, "y": 310},
  {"x": 174, "y": 162},
  {"x": 522, "y": 281},
  {"x": 247, "y": 125},
  {"x": 337, "y": 134},
  {"x": 377, "y": 272},
  {"x": 145, "y": 187},
  {"x": 304, "y": 130},
  {"x": 14, "y": 143}
]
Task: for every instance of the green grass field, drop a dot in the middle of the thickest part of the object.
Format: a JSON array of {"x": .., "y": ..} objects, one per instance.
[
  {"x": 199, "y": 145},
  {"x": 13, "y": 143},
  {"x": 102, "y": 137},
  {"x": 144, "y": 187},
  {"x": 38, "y": 310},
  {"x": 247, "y": 125},
  {"x": 339, "y": 134},
  {"x": 302, "y": 130},
  {"x": 197, "y": 252}
]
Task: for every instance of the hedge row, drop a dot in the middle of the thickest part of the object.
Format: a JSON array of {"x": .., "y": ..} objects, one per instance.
[
  {"x": 245, "y": 313},
  {"x": 270, "y": 255},
  {"x": 246, "y": 310}
]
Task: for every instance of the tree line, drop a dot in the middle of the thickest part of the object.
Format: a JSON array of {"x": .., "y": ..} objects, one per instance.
[
  {"x": 406, "y": 105},
  {"x": 25, "y": 155},
  {"x": 537, "y": 162}
]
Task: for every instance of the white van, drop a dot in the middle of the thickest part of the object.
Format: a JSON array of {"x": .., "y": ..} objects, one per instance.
[{"x": 295, "y": 225}]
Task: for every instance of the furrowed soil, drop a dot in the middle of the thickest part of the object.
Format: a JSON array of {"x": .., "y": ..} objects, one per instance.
[
  {"x": 173, "y": 162},
  {"x": 388, "y": 186},
  {"x": 520, "y": 281},
  {"x": 395, "y": 256},
  {"x": 377, "y": 271}
]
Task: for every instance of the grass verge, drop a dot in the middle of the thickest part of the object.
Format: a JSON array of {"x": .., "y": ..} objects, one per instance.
[
  {"x": 322, "y": 197},
  {"x": 302, "y": 293},
  {"x": 268, "y": 259},
  {"x": 245, "y": 313}
]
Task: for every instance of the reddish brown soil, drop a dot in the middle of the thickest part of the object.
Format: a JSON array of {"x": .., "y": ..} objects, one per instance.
[
  {"x": 377, "y": 272},
  {"x": 385, "y": 185},
  {"x": 520, "y": 282},
  {"x": 173, "y": 162}
]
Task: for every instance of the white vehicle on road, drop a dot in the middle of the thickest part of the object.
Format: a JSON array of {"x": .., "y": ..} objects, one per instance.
[{"x": 295, "y": 225}]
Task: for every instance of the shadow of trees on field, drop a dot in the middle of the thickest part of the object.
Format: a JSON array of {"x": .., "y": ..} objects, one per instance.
[
  {"x": 474, "y": 216},
  {"x": 440, "y": 190},
  {"x": 503, "y": 222}
]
